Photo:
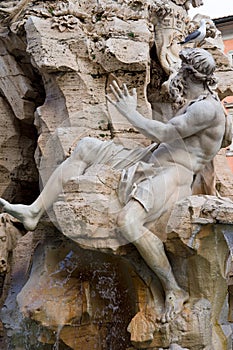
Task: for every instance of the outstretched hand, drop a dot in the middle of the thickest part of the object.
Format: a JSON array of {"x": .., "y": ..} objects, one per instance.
[{"x": 124, "y": 102}]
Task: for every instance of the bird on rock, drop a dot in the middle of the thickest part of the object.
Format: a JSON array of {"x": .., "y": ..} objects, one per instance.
[{"x": 197, "y": 36}]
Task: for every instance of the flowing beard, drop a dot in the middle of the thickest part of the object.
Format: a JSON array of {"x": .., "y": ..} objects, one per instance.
[{"x": 177, "y": 91}]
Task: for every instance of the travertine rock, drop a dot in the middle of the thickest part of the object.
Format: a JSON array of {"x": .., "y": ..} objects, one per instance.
[
  {"x": 199, "y": 232},
  {"x": 87, "y": 65},
  {"x": 197, "y": 227},
  {"x": 57, "y": 61},
  {"x": 18, "y": 172},
  {"x": 76, "y": 298},
  {"x": 211, "y": 226},
  {"x": 223, "y": 175},
  {"x": 91, "y": 223},
  {"x": 16, "y": 87}
]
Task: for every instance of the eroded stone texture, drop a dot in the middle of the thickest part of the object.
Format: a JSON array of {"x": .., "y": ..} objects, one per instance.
[
  {"x": 81, "y": 299},
  {"x": 197, "y": 245},
  {"x": 87, "y": 285},
  {"x": 101, "y": 48},
  {"x": 199, "y": 252},
  {"x": 60, "y": 57},
  {"x": 223, "y": 175},
  {"x": 19, "y": 91},
  {"x": 18, "y": 172},
  {"x": 96, "y": 191},
  {"x": 211, "y": 220}
]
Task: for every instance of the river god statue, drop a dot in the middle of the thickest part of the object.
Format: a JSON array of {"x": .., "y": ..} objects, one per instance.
[{"x": 153, "y": 178}]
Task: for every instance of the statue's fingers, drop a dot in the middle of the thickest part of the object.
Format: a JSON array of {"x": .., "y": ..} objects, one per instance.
[
  {"x": 126, "y": 91},
  {"x": 134, "y": 91},
  {"x": 110, "y": 100},
  {"x": 114, "y": 92},
  {"x": 116, "y": 86}
]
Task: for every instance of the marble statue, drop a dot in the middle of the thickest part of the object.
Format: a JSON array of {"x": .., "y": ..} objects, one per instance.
[{"x": 153, "y": 178}]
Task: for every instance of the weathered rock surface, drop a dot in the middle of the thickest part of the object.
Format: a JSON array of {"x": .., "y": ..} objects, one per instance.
[
  {"x": 19, "y": 175},
  {"x": 85, "y": 64},
  {"x": 198, "y": 245},
  {"x": 79, "y": 298},
  {"x": 70, "y": 289},
  {"x": 57, "y": 60}
]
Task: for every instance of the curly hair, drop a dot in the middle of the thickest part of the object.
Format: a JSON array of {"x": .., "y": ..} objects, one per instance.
[{"x": 199, "y": 66}]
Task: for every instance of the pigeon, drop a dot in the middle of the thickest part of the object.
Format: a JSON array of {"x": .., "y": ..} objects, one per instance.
[{"x": 197, "y": 36}]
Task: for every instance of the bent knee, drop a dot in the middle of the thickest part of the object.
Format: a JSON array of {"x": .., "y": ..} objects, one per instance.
[
  {"x": 129, "y": 225},
  {"x": 126, "y": 220}
]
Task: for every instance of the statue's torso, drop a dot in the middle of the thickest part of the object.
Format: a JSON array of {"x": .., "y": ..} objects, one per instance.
[{"x": 195, "y": 151}]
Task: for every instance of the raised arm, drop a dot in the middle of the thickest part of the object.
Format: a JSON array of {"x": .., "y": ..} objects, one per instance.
[
  {"x": 126, "y": 104},
  {"x": 178, "y": 127}
]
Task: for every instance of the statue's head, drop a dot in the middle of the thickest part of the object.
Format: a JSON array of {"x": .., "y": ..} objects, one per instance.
[{"x": 199, "y": 64}]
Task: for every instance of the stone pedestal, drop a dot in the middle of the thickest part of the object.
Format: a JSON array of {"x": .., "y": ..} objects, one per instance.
[{"x": 197, "y": 245}]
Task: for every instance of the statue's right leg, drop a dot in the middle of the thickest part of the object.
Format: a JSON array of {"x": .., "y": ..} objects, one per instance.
[{"x": 80, "y": 159}]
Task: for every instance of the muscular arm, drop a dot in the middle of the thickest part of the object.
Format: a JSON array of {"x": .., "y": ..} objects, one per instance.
[{"x": 194, "y": 120}]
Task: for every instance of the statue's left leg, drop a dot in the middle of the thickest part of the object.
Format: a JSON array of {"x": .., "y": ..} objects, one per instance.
[
  {"x": 153, "y": 197},
  {"x": 131, "y": 223}
]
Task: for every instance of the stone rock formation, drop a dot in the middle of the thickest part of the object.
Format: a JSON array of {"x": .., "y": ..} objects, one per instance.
[{"x": 57, "y": 61}]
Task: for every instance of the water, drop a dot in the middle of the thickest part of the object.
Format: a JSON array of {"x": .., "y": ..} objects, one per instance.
[
  {"x": 56, "y": 344},
  {"x": 104, "y": 298}
]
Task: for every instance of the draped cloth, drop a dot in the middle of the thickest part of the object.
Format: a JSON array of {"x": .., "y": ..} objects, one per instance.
[{"x": 135, "y": 170}]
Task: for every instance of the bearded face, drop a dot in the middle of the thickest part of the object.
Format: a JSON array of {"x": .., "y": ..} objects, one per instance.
[{"x": 177, "y": 90}]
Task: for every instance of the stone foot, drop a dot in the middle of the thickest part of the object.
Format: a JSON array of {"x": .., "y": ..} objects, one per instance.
[
  {"x": 174, "y": 304},
  {"x": 22, "y": 212}
]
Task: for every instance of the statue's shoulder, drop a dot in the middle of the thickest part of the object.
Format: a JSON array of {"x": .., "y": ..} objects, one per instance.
[
  {"x": 206, "y": 102},
  {"x": 209, "y": 96}
]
